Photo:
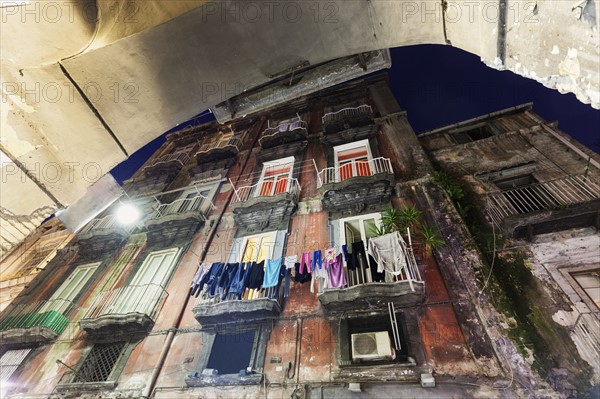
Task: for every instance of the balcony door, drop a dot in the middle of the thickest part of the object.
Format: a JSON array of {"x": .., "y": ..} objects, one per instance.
[
  {"x": 62, "y": 299},
  {"x": 147, "y": 285},
  {"x": 258, "y": 248},
  {"x": 352, "y": 160},
  {"x": 356, "y": 229},
  {"x": 275, "y": 177},
  {"x": 195, "y": 199}
]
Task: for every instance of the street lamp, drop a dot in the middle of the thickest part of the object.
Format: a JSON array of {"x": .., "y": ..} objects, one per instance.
[{"x": 127, "y": 214}]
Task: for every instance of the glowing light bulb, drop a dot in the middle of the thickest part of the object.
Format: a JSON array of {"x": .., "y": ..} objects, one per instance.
[{"x": 128, "y": 214}]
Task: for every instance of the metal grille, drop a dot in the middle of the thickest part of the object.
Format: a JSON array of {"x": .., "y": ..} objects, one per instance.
[{"x": 100, "y": 362}]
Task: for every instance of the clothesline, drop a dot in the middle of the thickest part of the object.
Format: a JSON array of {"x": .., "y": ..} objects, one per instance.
[{"x": 386, "y": 259}]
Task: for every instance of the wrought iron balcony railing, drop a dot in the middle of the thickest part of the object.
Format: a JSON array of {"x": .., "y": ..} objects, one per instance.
[
  {"x": 210, "y": 146},
  {"x": 354, "y": 169},
  {"x": 51, "y": 314},
  {"x": 347, "y": 113},
  {"x": 273, "y": 293},
  {"x": 131, "y": 299},
  {"x": 284, "y": 127},
  {"x": 178, "y": 157},
  {"x": 106, "y": 223},
  {"x": 198, "y": 204},
  {"x": 554, "y": 194},
  {"x": 408, "y": 273},
  {"x": 267, "y": 189}
]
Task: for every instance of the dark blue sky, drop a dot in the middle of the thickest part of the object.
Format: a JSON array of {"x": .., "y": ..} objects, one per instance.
[{"x": 440, "y": 85}]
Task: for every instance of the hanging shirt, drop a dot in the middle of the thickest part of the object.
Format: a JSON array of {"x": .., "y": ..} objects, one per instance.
[
  {"x": 319, "y": 273},
  {"x": 271, "y": 278},
  {"x": 337, "y": 277},
  {"x": 348, "y": 258},
  {"x": 257, "y": 275},
  {"x": 359, "y": 256},
  {"x": 211, "y": 278},
  {"x": 203, "y": 269},
  {"x": 226, "y": 277},
  {"x": 290, "y": 261},
  {"x": 238, "y": 284},
  {"x": 389, "y": 251},
  {"x": 329, "y": 256}
]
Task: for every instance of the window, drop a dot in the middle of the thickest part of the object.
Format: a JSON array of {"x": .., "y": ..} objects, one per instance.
[
  {"x": 472, "y": 134},
  {"x": 359, "y": 228},
  {"x": 62, "y": 299},
  {"x": 156, "y": 269},
  {"x": 197, "y": 198},
  {"x": 275, "y": 177},
  {"x": 354, "y": 230},
  {"x": 231, "y": 353},
  {"x": 258, "y": 248},
  {"x": 9, "y": 363},
  {"x": 100, "y": 363},
  {"x": 589, "y": 281},
  {"x": 353, "y": 160},
  {"x": 371, "y": 341},
  {"x": 148, "y": 283}
]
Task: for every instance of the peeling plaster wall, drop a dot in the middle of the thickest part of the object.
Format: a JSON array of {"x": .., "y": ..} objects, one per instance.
[{"x": 552, "y": 257}]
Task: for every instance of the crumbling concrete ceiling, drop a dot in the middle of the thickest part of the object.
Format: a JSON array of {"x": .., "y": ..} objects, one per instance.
[{"x": 91, "y": 82}]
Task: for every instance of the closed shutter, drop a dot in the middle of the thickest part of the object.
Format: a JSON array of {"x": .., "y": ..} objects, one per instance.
[{"x": 10, "y": 361}]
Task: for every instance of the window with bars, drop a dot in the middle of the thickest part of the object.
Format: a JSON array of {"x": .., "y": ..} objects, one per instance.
[{"x": 100, "y": 362}]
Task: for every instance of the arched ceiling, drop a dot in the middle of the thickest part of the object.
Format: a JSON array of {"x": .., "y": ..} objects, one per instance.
[{"x": 86, "y": 83}]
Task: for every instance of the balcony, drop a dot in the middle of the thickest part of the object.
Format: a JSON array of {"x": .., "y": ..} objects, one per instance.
[
  {"x": 39, "y": 322},
  {"x": 178, "y": 219},
  {"x": 554, "y": 205},
  {"x": 356, "y": 184},
  {"x": 103, "y": 233},
  {"x": 167, "y": 164},
  {"x": 127, "y": 310},
  {"x": 347, "y": 118},
  {"x": 215, "y": 311},
  {"x": 361, "y": 292},
  {"x": 218, "y": 150},
  {"x": 266, "y": 204},
  {"x": 285, "y": 132}
]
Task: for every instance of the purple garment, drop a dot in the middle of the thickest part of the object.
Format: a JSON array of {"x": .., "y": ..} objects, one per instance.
[
  {"x": 305, "y": 262},
  {"x": 337, "y": 277}
]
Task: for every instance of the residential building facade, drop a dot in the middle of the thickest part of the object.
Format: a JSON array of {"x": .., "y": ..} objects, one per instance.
[{"x": 268, "y": 263}]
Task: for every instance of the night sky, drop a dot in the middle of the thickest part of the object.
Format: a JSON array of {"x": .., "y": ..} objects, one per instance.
[{"x": 440, "y": 85}]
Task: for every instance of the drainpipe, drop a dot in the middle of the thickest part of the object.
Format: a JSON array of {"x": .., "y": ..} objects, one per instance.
[{"x": 171, "y": 335}]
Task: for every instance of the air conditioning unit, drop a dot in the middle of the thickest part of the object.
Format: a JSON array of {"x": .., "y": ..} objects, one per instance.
[{"x": 372, "y": 346}]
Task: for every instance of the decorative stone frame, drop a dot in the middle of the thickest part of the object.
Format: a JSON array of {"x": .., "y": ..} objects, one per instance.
[
  {"x": 567, "y": 272},
  {"x": 257, "y": 358},
  {"x": 111, "y": 382}
]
